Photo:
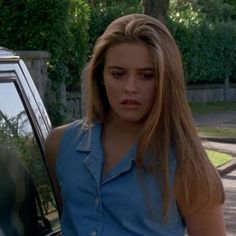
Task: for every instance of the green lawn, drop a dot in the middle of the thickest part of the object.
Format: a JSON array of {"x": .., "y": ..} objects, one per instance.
[
  {"x": 212, "y": 107},
  {"x": 218, "y": 158},
  {"x": 216, "y": 131}
]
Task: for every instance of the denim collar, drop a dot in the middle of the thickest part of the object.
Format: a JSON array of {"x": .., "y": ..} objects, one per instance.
[
  {"x": 91, "y": 137},
  {"x": 90, "y": 141}
]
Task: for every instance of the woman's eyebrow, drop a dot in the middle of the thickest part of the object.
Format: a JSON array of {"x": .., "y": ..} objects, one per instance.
[
  {"x": 115, "y": 67},
  {"x": 148, "y": 69},
  {"x": 122, "y": 68}
]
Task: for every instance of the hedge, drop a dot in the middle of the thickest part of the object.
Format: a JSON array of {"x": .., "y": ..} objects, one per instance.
[{"x": 210, "y": 52}]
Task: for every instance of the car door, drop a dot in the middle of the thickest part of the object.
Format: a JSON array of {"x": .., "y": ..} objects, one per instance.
[{"x": 28, "y": 205}]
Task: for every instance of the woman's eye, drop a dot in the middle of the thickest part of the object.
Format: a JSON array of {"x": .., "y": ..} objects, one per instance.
[
  {"x": 147, "y": 76},
  {"x": 117, "y": 74}
]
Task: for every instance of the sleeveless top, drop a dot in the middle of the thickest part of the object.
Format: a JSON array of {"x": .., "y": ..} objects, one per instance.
[{"x": 126, "y": 202}]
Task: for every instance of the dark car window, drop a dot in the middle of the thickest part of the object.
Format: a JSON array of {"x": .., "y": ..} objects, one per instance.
[{"x": 27, "y": 204}]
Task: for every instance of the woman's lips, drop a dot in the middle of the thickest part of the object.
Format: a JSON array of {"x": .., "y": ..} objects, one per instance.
[{"x": 127, "y": 103}]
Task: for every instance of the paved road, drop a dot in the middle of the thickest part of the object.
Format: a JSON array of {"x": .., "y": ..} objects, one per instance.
[
  {"x": 218, "y": 119},
  {"x": 225, "y": 119},
  {"x": 229, "y": 182},
  {"x": 224, "y": 147}
]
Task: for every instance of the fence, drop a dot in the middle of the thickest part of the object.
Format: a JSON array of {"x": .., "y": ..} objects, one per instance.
[{"x": 212, "y": 92}]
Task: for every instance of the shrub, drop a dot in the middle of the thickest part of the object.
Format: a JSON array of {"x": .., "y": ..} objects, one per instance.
[
  {"x": 211, "y": 54},
  {"x": 208, "y": 48},
  {"x": 102, "y": 14},
  {"x": 57, "y": 26}
]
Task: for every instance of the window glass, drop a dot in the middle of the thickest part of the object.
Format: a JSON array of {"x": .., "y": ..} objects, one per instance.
[{"x": 27, "y": 204}]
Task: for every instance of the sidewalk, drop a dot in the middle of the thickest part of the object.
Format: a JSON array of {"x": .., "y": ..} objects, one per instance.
[
  {"x": 224, "y": 144},
  {"x": 227, "y": 171},
  {"x": 229, "y": 182},
  {"x": 228, "y": 175},
  {"x": 226, "y": 147}
]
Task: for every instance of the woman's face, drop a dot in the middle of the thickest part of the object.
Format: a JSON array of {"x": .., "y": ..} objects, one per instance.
[{"x": 129, "y": 80}]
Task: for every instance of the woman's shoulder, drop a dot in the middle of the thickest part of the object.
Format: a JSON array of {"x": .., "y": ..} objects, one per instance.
[
  {"x": 65, "y": 133},
  {"x": 54, "y": 138},
  {"x": 56, "y": 134},
  {"x": 76, "y": 125}
]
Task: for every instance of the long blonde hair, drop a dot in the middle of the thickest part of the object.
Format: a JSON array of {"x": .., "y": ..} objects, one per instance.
[{"x": 170, "y": 121}]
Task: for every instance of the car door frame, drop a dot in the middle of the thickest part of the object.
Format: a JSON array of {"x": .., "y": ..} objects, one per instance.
[{"x": 13, "y": 69}]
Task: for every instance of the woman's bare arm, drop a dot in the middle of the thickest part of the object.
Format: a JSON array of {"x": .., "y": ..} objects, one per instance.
[
  {"x": 51, "y": 152},
  {"x": 206, "y": 222}
]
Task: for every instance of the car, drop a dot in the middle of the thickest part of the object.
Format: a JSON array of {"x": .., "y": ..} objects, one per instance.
[{"x": 28, "y": 204}]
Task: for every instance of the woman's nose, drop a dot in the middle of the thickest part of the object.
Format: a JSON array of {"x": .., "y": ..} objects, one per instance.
[{"x": 131, "y": 86}]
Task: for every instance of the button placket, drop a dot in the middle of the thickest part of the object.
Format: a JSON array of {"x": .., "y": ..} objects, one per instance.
[
  {"x": 94, "y": 233},
  {"x": 97, "y": 201},
  {"x": 96, "y": 229}
]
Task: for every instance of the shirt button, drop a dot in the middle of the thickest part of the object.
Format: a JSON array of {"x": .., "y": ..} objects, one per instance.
[
  {"x": 96, "y": 201},
  {"x": 93, "y": 233}
]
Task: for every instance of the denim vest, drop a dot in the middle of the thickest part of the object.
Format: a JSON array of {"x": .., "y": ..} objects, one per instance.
[{"x": 126, "y": 202}]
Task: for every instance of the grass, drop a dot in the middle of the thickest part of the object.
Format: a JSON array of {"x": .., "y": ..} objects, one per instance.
[
  {"x": 216, "y": 131},
  {"x": 212, "y": 107},
  {"x": 218, "y": 158}
]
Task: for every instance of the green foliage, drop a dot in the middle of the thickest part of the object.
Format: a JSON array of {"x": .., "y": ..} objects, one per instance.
[
  {"x": 184, "y": 13},
  {"x": 212, "y": 131},
  {"x": 78, "y": 48},
  {"x": 215, "y": 10},
  {"x": 212, "y": 107},
  {"x": 16, "y": 134},
  {"x": 218, "y": 158},
  {"x": 56, "y": 111},
  {"x": 208, "y": 46},
  {"x": 211, "y": 54},
  {"x": 33, "y": 25},
  {"x": 57, "y": 26},
  {"x": 104, "y": 12}
]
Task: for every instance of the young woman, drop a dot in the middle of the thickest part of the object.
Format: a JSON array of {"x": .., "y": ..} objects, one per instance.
[{"x": 135, "y": 165}]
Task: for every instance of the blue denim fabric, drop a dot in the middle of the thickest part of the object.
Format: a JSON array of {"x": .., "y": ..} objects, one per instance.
[{"x": 126, "y": 202}]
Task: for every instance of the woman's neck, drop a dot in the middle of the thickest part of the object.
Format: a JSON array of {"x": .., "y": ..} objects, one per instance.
[{"x": 122, "y": 127}]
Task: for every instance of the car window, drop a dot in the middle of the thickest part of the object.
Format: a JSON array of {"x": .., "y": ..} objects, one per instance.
[{"x": 27, "y": 204}]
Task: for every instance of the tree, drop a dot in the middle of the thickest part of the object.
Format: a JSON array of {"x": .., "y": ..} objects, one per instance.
[
  {"x": 218, "y": 10},
  {"x": 156, "y": 8}
]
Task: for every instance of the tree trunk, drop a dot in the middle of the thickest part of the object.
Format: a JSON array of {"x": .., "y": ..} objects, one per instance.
[{"x": 156, "y": 8}]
